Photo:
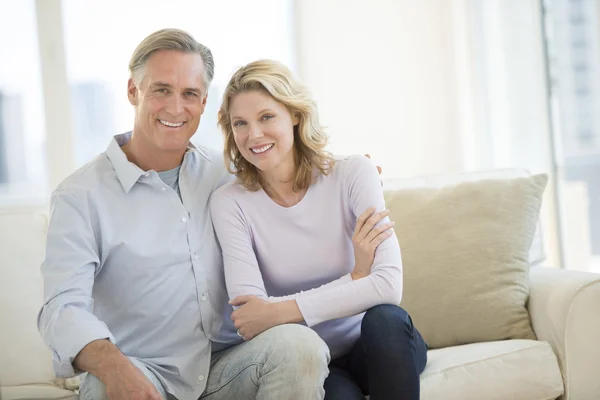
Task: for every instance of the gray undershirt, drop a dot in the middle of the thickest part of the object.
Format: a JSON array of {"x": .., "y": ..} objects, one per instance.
[{"x": 171, "y": 178}]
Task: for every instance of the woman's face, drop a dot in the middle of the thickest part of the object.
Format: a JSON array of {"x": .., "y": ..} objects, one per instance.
[{"x": 263, "y": 130}]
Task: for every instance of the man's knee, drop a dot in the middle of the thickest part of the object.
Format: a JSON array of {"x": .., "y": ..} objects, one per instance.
[
  {"x": 299, "y": 347},
  {"x": 92, "y": 388}
]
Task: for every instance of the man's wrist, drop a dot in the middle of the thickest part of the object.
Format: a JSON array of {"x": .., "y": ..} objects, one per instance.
[{"x": 102, "y": 359}]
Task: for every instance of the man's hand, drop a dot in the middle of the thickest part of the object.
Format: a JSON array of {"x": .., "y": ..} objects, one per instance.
[
  {"x": 130, "y": 384},
  {"x": 122, "y": 379},
  {"x": 255, "y": 315}
]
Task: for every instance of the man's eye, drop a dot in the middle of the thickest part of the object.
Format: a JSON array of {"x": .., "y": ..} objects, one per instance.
[
  {"x": 162, "y": 90},
  {"x": 190, "y": 94}
]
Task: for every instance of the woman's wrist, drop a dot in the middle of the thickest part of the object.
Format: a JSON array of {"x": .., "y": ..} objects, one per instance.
[
  {"x": 356, "y": 275},
  {"x": 288, "y": 312}
]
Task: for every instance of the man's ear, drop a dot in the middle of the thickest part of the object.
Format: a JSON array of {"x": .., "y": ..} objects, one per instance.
[{"x": 132, "y": 92}]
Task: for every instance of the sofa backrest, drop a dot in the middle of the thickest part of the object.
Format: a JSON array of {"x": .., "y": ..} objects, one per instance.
[{"x": 24, "y": 358}]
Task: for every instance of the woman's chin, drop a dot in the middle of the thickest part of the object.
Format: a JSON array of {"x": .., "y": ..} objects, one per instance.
[{"x": 261, "y": 165}]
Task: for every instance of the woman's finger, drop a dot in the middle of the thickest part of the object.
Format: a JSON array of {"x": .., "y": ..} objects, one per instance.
[
  {"x": 372, "y": 221},
  {"x": 360, "y": 222},
  {"x": 376, "y": 232},
  {"x": 381, "y": 237}
]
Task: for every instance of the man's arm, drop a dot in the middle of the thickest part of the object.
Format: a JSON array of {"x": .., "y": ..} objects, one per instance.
[
  {"x": 102, "y": 359},
  {"x": 66, "y": 322},
  {"x": 78, "y": 340},
  {"x": 122, "y": 379}
]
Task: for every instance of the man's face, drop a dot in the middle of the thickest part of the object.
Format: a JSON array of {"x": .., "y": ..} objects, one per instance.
[{"x": 169, "y": 100}]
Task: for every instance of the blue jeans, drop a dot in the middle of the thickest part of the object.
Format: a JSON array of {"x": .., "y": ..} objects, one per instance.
[
  {"x": 385, "y": 363},
  {"x": 284, "y": 362}
]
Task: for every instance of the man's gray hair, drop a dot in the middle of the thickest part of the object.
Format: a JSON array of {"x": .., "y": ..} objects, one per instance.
[{"x": 170, "y": 39}]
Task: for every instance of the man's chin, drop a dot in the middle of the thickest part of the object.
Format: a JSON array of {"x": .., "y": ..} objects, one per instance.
[{"x": 172, "y": 145}]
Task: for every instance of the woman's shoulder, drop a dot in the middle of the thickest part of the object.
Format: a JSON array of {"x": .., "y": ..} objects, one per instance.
[
  {"x": 349, "y": 165},
  {"x": 230, "y": 191}
]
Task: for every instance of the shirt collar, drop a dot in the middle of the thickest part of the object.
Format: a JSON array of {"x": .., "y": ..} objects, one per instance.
[{"x": 127, "y": 172}]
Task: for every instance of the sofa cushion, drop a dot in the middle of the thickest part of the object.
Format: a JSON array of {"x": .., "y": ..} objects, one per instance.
[
  {"x": 510, "y": 369},
  {"x": 36, "y": 392},
  {"x": 465, "y": 256},
  {"x": 24, "y": 357}
]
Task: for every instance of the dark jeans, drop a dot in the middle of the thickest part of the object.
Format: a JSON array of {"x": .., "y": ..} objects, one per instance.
[{"x": 385, "y": 363}]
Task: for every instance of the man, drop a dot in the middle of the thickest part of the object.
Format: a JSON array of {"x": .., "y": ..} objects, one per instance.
[{"x": 134, "y": 288}]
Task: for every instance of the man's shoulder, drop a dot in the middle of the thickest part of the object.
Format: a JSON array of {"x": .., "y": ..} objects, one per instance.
[
  {"x": 88, "y": 175},
  {"x": 209, "y": 164},
  {"x": 208, "y": 153}
]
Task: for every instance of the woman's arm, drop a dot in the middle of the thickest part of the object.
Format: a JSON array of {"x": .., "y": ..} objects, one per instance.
[
  {"x": 242, "y": 272},
  {"x": 384, "y": 284},
  {"x": 340, "y": 298}
]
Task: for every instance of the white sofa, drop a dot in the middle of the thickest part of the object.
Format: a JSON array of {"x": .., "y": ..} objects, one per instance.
[{"x": 564, "y": 307}]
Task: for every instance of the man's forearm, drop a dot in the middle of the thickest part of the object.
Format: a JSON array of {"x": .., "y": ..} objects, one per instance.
[{"x": 102, "y": 359}]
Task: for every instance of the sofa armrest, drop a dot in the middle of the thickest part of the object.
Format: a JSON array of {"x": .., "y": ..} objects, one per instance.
[{"x": 564, "y": 307}]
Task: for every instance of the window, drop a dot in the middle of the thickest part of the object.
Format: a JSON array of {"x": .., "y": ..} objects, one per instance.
[
  {"x": 22, "y": 131},
  {"x": 573, "y": 38},
  {"x": 97, "y": 40},
  {"x": 100, "y": 41}
]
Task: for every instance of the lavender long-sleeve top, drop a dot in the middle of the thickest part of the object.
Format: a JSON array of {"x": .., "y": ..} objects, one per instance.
[{"x": 305, "y": 252}]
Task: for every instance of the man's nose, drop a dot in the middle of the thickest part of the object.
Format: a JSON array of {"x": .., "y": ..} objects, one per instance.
[{"x": 174, "y": 106}]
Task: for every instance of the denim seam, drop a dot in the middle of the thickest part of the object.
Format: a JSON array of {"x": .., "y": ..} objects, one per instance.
[{"x": 232, "y": 378}]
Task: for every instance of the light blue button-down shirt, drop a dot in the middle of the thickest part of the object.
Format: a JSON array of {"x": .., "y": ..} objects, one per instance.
[{"x": 130, "y": 261}]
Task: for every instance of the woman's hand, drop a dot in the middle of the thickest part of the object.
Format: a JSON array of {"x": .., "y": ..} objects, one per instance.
[
  {"x": 256, "y": 315},
  {"x": 366, "y": 238}
]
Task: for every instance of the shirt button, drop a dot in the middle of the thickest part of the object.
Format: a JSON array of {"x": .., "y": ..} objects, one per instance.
[
  {"x": 183, "y": 219},
  {"x": 163, "y": 188},
  {"x": 196, "y": 256},
  {"x": 203, "y": 297},
  {"x": 147, "y": 174},
  {"x": 201, "y": 378}
]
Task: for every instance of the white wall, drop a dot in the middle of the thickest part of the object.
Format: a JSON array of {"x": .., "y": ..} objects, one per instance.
[
  {"x": 432, "y": 86},
  {"x": 383, "y": 73}
]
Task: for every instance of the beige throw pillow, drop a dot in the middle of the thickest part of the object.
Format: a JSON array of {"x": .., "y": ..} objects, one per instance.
[{"x": 465, "y": 255}]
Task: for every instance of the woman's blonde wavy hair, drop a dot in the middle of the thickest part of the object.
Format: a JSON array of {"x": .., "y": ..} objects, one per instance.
[{"x": 309, "y": 138}]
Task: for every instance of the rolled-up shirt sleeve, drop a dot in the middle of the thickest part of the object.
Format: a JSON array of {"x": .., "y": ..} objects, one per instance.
[{"x": 66, "y": 321}]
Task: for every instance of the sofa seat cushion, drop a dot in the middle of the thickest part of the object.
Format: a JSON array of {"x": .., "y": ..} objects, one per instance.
[
  {"x": 510, "y": 369},
  {"x": 36, "y": 392}
]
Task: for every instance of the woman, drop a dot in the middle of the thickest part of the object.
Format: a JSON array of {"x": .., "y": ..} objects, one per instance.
[{"x": 301, "y": 243}]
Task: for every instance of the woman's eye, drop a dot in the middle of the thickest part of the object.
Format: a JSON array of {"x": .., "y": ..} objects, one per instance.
[
  {"x": 238, "y": 123},
  {"x": 267, "y": 117}
]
